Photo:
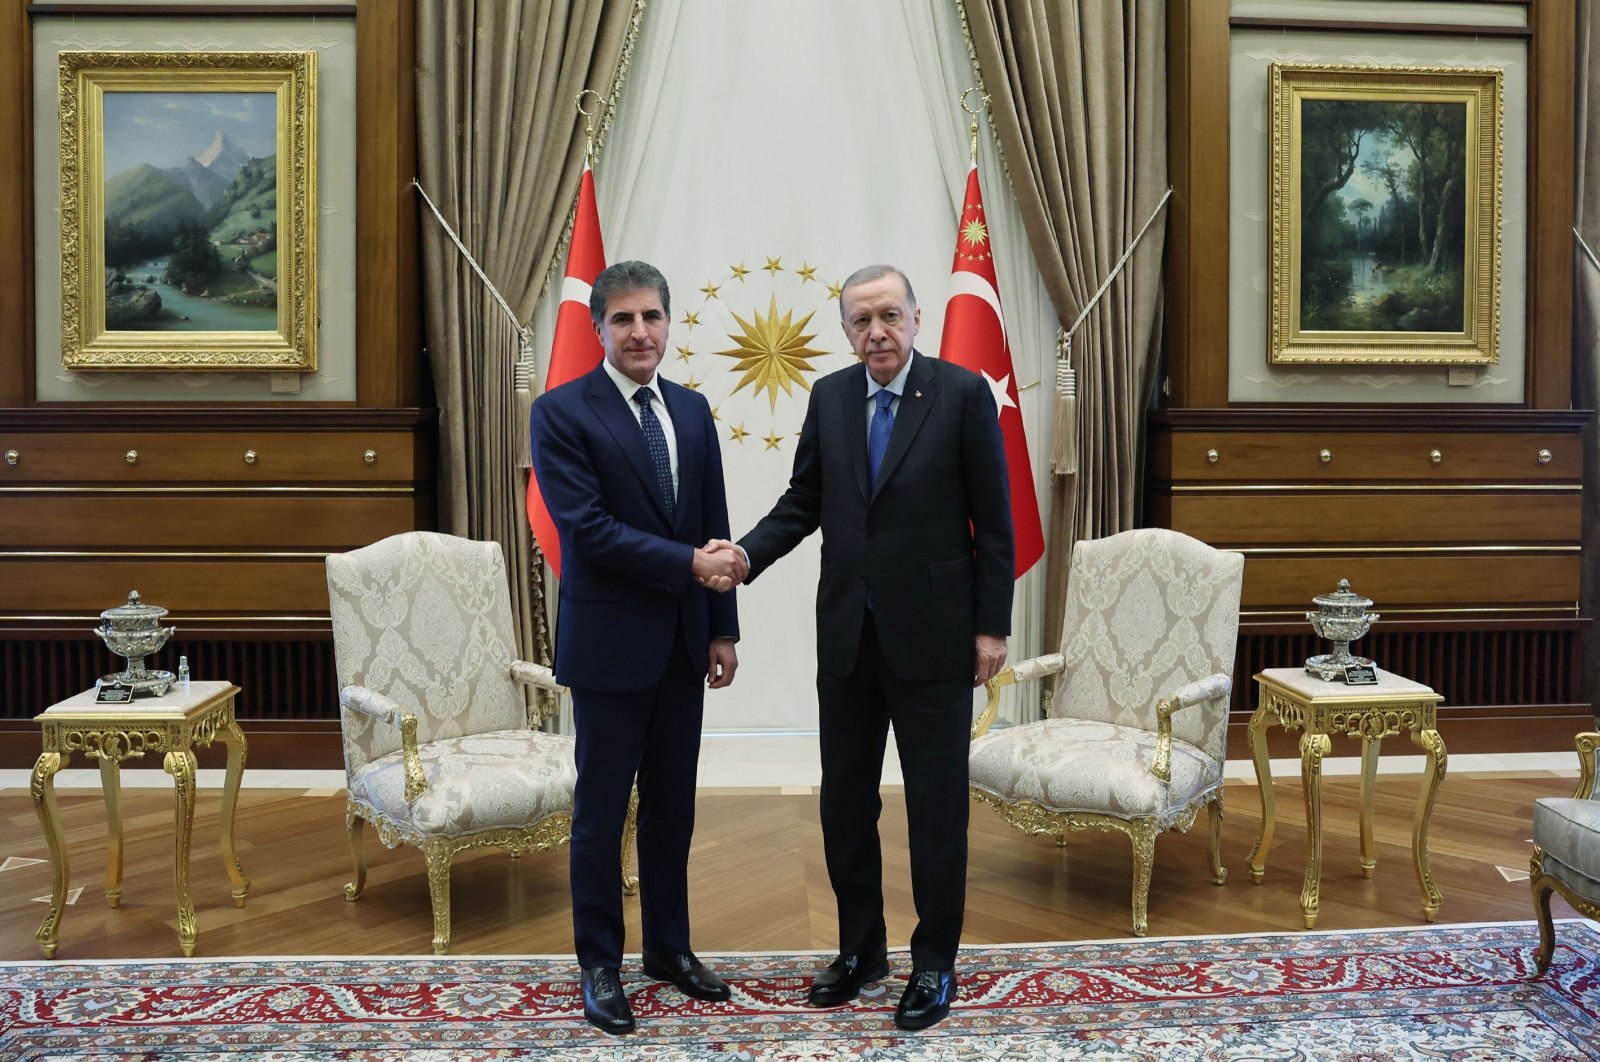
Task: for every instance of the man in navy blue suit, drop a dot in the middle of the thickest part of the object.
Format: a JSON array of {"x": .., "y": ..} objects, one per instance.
[{"x": 629, "y": 466}]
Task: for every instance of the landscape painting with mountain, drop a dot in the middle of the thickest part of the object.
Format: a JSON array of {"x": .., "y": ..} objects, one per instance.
[{"x": 191, "y": 211}]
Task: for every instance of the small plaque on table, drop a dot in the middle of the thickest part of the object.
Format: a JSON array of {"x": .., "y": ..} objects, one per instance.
[
  {"x": 111, "y": 693},
  {"x": 1360, "y": 675}
]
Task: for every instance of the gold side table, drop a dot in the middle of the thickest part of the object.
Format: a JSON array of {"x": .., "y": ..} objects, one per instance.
[
  {"x": 1297, "y": 701},
  {"x": 172, "y": 724}
]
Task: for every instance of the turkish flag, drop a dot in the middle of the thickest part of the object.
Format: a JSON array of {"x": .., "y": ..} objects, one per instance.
[
  {"x": 576, "y": 348},
  {"x": 975, "y": 338}
]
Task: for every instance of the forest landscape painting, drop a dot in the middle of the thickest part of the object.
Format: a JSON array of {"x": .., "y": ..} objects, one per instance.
[
  {"x": 1385, "y": 214},
  {"x": 188, "y": 210}
]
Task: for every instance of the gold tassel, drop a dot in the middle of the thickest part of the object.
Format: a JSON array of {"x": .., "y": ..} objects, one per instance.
[
  {"x": 524, "y": 403},
  {"x": 1064, "y": 452}
]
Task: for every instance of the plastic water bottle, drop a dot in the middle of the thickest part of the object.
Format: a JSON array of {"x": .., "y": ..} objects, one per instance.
[{"x": 183, "y": 673}]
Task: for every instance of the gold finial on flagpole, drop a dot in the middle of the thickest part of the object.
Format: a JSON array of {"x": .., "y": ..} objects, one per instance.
[
  {"x": 972, "y": 127},
  {"x": 589, "y": 117}
]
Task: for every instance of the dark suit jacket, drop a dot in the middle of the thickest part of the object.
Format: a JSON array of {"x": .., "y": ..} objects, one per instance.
[
  {"x": 932, "y": 542},
  {"x": 626, "y": 585}
]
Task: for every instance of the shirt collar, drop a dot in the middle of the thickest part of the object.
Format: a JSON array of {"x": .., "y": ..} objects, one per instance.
[
  {"x": 629, "y": 387},
  {"x": 896, "y": 386}
]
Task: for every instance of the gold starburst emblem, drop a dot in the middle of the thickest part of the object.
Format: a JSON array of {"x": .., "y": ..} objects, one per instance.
[
  {"x": 772, "y": 352},
  {"x": 975, "y": 233}
]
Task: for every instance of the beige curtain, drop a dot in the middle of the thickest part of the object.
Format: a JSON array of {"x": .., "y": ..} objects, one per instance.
[
  {"x": 500, "y": 149},
  {"x": 1078, "y": 100},
  {"x": 1586, "y": 326}
]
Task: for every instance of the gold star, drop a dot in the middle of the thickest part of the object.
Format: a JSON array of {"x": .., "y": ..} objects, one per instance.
[
  {"x": 835, "y": 291},
  {"x": 737, "y": 433},
  {"x": 692, "y": 384},
  {"x": 691, "y": 318},
  {"x": 714, "y": 415},
  {"x": 772, "y": 352},
  {"x": 710, "y": 289},
  {"x": 773, "y": 439},
  {"x": 739, "y": 272},
  {"x": 773, "y": 267},
  {"x": 807, "y": 272},
  {"x": 975, "y": 233},
  {"x": 684, "y": 353}
]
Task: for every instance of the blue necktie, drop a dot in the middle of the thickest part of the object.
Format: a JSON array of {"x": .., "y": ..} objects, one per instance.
[
  {"x": 656, "y": 439},
  {"x": 878, "y": 434}
]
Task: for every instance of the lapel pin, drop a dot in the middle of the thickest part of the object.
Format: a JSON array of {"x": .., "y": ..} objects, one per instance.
[{"x": 918, "y": 394}]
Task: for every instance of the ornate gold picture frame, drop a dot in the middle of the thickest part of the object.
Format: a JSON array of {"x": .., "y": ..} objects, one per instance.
[
  {"x": 1386, "y": 185},
  {"x": 188, "y": 210}
]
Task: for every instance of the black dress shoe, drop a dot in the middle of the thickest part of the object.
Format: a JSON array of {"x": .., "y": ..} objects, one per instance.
[
  {"x": 688, "y": 973},
  {"x": 842, "y": 980},
  {"x": 604, "y": 1005},
  {"x": 927, "y": 998}
]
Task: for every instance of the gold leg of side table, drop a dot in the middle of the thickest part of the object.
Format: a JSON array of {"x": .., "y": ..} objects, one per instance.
[
  {"x": 42, "y": 787},
  {"x": 231, "y": 736},
  {"x": 1258, "y": 752},
  {"x": 1369, "y": 776},
  {"x": 1438, "y": 760},
  {"x": 180, "y": 764},
  {"x": 1313, "y": 747},
  {"x": 111, "y": 789}
]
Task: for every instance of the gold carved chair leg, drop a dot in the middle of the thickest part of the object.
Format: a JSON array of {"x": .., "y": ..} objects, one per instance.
[
  {"x": 42, "y": 788},
  {"x": 1541, "y": 906},
  {"x": 1219, "y": 873},
  {"x": 355, "y": 828},
  {"x": 111, "y": 788},
  {"x": 1142, "y": 832},
  {"x": 630, "y": 830},
  {"x": 438, "y": 854},
  {"x": 1313, "y": 747},
  {"x": 1430, "y": 742},
  {"x": 1369, "y": 777},
  {"x": 1259, "y": 721},
  {"x": 233, "y": 739},
  {"x": 180, "y": 763}
]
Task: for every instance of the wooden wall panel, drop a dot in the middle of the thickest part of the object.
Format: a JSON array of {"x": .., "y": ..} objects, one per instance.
[
  {"x": 16, "y": 192},
  {"x": 1552, "y": 100},
  {"x": 1474, "y": 580},
  {"x": 215, "y": 457},
  {"x": 191, "y": 521},
  {"x": 1370, "y": 518},
  {"x": 197, "y": 584},
  {"x": 1297, "y": 456}
]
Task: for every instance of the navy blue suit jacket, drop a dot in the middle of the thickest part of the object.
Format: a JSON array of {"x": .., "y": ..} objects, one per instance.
[{"x": 626, "y": 587}]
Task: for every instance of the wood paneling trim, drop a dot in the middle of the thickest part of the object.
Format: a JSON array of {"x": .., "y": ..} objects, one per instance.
[
  {"x": 1468, "y": 419},
  {"x": 1196, "y": 280},
  {"x": 16, "y": 192},
  {"x": 79, "y": 419},
  {"x": 235, "y": 10},
  {"x": 1546, "y": 579},
  {"x": 1352, "y": 519},
  {"x": 198, "y": 522},
  {"x": 1296, "y": 457},
  {"x": 299, "y": 458},
  {"x": 1431, "y": 29},
  {"x": 47, "y": 586},
  {"x": 387, "y": 285},
  {"x": 1552, "y": 97}
]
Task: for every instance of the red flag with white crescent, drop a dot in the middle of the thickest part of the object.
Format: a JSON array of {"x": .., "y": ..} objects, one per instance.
[
  {"x": 975, "y": 338},
  {"x": 576, "y": 349}
]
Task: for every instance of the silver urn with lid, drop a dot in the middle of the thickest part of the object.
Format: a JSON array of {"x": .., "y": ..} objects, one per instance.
[
  {"x": 1341, "y": 617},
  {"x": 134, "y": 631}
]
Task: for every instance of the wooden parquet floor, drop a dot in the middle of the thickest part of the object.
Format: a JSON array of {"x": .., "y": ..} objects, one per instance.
[{"x": 757, "y": 877}]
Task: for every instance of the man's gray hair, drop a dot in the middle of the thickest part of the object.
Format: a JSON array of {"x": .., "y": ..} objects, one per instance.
[
  {"x": 874, "y": 272},
  {"x": 626, "y": 276}
]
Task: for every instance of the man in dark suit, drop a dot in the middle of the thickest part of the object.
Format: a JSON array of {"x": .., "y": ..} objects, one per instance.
[
  {"x": 901, "y": 464},
  {"x": 629, "y": 466}
]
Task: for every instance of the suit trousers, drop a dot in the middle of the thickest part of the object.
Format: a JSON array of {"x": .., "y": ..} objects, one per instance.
[
  {"x": 932, "y": 725},
  {"x": 653, "y": 734}
]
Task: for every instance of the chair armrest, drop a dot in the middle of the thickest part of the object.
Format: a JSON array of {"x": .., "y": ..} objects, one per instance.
[
  {"x": 1587, "y": 744},
  {"x": 1186, "y": 696},
  {"x": 375, "y": 705},
  {"x": 540, "y": 678},
  {"x": 1025, "y": 671}
]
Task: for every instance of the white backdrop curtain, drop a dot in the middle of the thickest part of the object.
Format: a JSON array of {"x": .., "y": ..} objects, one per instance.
[{"x": 796, "y": 142}]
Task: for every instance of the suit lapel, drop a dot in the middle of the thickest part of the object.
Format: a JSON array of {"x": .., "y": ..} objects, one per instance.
[
  {"x": 612, "y": 411},
  {"x": 920, "y": 392},
  {"x": 855, "y": 426},
  {"x": 688, "y": 440}
]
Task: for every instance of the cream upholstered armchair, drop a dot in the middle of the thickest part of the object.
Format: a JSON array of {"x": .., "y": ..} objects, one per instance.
[
  {"x": 1134, "y": 738},
  {"x": 1566, "y": 851},
  {"x": 439, "y": 750}
]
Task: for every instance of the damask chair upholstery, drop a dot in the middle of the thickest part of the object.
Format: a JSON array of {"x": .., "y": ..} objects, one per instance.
[
  {"x": 1566, "y": 851},
  {"x": 440, "y": 751},
  {"x": 1134, "y": 738}
]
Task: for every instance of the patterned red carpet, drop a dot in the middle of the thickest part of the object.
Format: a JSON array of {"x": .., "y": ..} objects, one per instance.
[{"x": 1434, "y": 992}]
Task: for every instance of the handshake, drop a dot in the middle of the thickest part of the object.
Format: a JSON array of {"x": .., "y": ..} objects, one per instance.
[{"x": 719, "y": 565}]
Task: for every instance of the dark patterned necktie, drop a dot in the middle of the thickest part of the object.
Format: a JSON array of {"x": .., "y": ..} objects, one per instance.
[
  {"x": 878, "y": 435},
  {"x": 656, "y": 440}
]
